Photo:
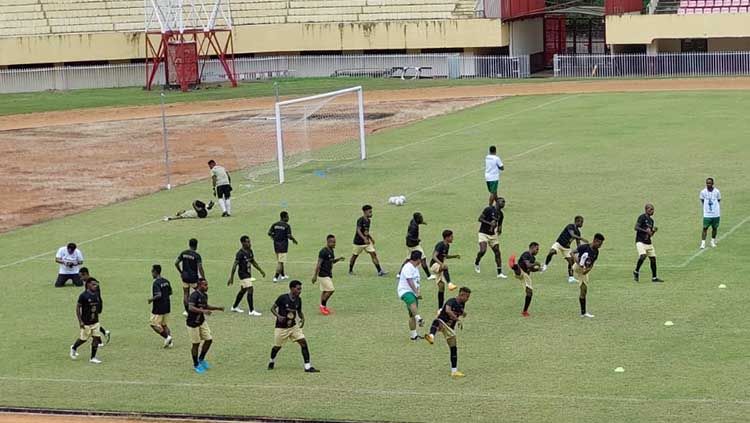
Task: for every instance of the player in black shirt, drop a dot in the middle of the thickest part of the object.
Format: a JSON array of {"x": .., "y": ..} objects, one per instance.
[
  {"x": 446, "y": 322},
  {"x": 585, "y": 256},
  {"x": 161, "y": 306},
  {"x": 523, "y": 268},
  {"x": 280, "y": 232},
  {"x": 198, "y": 329},
  {"x": 363, "y": 241},
  {"x": 413, "y": 243},
  {"x": 87, "y": 312},
  {"x": 439, "y": 268},
  {"x": 85, "y": 276},
  {"x": 286, "y": 309},
  {"x": 644, "y": 231},
  {"x": 200, "y": 211},
  {"x": 324, "y": 273},
  {"x": 562, "y": 245},
  {"x": 242, "y": 261},
  {"x": 189, "y": 265},
  {"x": 490, "y": 228}
]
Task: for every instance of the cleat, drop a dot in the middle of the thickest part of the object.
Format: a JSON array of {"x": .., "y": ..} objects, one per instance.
[
  {"x": 713, "y": 244},
  {"x": 165, "y": 218},
  {"x": 571, "y": 279},
  {"x": 254, "y": 313},
  {"x": 312, "y": 370},
  {"x": 589, "y": 315},
  {"x": 636, "y": 276},
  {"x": 276, "y": 280},
  {"x": 416, "y": 338},
  {"x": 656, "y": 280},
  {"x": 284, "y": 277},
  {"x": 351, "y": 273},
  {"x": 204, "y": 364},
  {"x": 451, "y": 286},
  {"x": 324, "y": 311},
  {"x": 512, "y": 261},
  {"x": 431, "y": 278},
  {"x": 502, "y": 275},
  {"x": 270, "y": 365},
  {"x": 73, "y": 353},
  {"x": 477, "y": 268},
  {"x": 430, "y": 338},
  {"x": 168, "y": 343},
  {"x": 95, "y": 360},
  {"x": 236, "y": 310},
  {"x": 420, "y": 323},
  {"x": 198, "y": 369},
  {"x": 544, "y": 268},
  {"x": 525, "y": 314},
  {"x": 382, "y": 273},
  {"x": 457, "y": 374},
  {"x": 703, "y": 245}
]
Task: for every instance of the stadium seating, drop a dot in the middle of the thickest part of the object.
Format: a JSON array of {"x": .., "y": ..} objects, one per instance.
[{"x": 694, "y": 7}]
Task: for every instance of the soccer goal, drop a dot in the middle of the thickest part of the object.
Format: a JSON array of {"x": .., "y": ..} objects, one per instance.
[{"x": 327, "y": 127}]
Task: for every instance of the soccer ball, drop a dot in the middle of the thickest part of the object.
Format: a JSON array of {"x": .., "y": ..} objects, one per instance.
[{"x": 398, "y": 200}]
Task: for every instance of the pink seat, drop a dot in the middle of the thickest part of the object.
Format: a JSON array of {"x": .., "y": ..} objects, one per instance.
[
  {"x": 683, "y": 3},
  {"x": 710, "y": 3},
  {"x": 724, "y": 10},
  {"x": 734, "y": 10},
  {"x": 680, "y": 11},
  {"x": 735, "y": 2},
  {"x": 743, "y": 9},
  {"x": 744, "y": 2},
  {"x": 689, "y": 11},
  {"x": 691, "y": 3},
  {"x": 716, "y": 10},
  {"x": 704, "y": 11},
  {"x": 701, "y": 4}
]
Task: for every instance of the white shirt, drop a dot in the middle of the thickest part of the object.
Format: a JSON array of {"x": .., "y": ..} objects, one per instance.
[
  {"x": 222, "y": 177},
  {"x": 409, "y": 271},
  {"x": 711, "y": 202},
  {"x": 492, "y": 165},
  {"x": 76, "y": 257}
]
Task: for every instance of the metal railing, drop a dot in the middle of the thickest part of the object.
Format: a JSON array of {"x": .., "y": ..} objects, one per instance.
[
  {"x": 666, "y": 65},
  {"x": 396, "y": 66}
]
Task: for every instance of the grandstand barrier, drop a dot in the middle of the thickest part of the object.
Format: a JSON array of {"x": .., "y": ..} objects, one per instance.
[
  {"x": 660, "y": 65},
  {"x": 131, "y": 75}
]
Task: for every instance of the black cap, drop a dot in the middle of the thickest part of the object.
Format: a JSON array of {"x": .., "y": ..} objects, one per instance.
[{"x": 415, "y": 255}]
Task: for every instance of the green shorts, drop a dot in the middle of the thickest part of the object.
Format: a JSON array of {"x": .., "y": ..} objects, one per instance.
[
  {"x": 492, "y": 186},
  {"x": 409, "y": 298},
  {"x": 713, "y": 222}
]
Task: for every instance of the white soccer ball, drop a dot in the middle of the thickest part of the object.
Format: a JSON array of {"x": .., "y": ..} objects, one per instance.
[
  {"x": 392, "y": 200},
  {"x": 402, "y": 199},
  {"x": 398, "y": 202}
]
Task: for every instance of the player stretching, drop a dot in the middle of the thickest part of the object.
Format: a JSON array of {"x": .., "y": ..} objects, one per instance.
[
  {"x": 562, "y": 245},
  {"x": 85, "y": 277},
  {"x": 492, "y": 168},
  {"x": 286, "y": 309},
  {"x": 585, "y": 256},
  {"x": 324, "y": 273},
  {"x": 197, "y": 325},
  {"x": 364, "y": 242},
  {"x": 87, "y": 312},
  {"x": 220, "y": 180},
  {"x": 408, "y": 291},
  {"x": 523, "y": 268},
  {"x": 644, "y": 231},
  {"x": 439, "y": 268},
  {"x": 711, "y": 200},
  {"x": 189, "y": 265},
  {"x": 446, "y": 323},
  {"x": 243, "y": 260},
  {"x": 200, "y": 211},
  {"x": 413, "y": 243},
  {"x": 490, "y": 228},
  {"x": 161, "y": 290},
  {"x": 280, "y": 232}
]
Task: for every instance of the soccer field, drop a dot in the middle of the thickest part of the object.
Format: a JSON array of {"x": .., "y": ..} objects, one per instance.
[{"x": 599, "y": 155}]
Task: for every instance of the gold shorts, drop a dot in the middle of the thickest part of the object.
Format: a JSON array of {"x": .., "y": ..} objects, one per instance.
[
  {"x": 645, "y": 249},
  {"x": 159, "y": 319},
  {"x": 193, "y": 285},
  {"x": 357, "y": 249},
  {"x": 281, "y": 257},
  {"x": 446, "y": 331},
  {"x": 189, "y": 214},
  {"x": 526, "y": 278},
  {"x": 280, "y": 335},
  {"x": 491, "y": 240},
  {"x": 201, "y": 333},
  {"x": 439, "y": 274},
  {"x": 409, "y": 250},
  {"x": 326, "y": 284},
  {"x": 247, "y": 283},
  {"x": 583, "y": 279},
  {"x": 89, "y": 331},
  {"x": 559, "y": 249}
]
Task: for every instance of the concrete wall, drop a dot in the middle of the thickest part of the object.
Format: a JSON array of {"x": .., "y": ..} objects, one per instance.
[
  {"x": 714, "y": 44},
  {"x": 526, "y": 36},
  {"x": 644, "y": 29}
]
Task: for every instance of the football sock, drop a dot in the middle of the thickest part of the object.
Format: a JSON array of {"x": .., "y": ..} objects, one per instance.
[
  {"x": 570, "y": 269},
  {"x": 305, "y": 353},
  {"x": 499, "y": 270},
  {"x": 324, "y": 302},
  {"x": 223, "y": 205},
  {"x": 653, "y": 266},
  {"x": 434, "y": 326},
  {"x": 583, "y": 305},
  {"x": 94, "y": 347},
  {"x": 454, "y": 358},
  {"x": 527, "y": 301},
  {"x": 414, "y": 333},
  {"x": 78, "y": 343},
  {"x": 194, "y": 353},
  {"x": 417, "y": 317},
  {"x": 479, "y": 258},
  {"x": 441, "y": 299},
  {"x": 548, "y": 259},
  {"x": 164, "y": 333},
  {"x": 447, "y": 275},
  {"x": 204, "y": 350},
  {"x": 228, "y": 203},
  {"x": 276, "y": 275},
  {"x": 425, "y": 268},
  {"x": 640, "y": 263},
  {"x": 274, "y": 351},
  {"x": 102, "y": 330},
  {"x": 250, "y": 300},
  {"x": 238, "y": 298},
  {"x": 378, "y": 268}
]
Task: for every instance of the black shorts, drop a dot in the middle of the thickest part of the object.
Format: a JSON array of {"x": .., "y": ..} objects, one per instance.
[
  {"x": 62, "y": 278},
  {"x": 224, "y": 191}
]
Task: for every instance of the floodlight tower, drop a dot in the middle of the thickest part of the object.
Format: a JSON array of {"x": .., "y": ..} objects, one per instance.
[{"x": 187, "y": 33}]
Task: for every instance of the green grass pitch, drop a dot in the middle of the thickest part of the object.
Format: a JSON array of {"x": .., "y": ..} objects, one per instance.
[{"x": 602, "y": 156}]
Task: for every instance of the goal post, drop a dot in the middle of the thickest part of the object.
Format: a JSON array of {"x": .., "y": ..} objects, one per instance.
[{"x": 324, "y": 127}]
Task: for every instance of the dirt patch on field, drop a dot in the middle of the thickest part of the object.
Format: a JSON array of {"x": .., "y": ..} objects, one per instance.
[{"x": 60, "y": 163}]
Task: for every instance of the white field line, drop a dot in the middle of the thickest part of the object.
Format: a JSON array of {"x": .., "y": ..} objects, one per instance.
[
  {"x": 720, "y": 238},
  {"x": 381, "y": 392}
]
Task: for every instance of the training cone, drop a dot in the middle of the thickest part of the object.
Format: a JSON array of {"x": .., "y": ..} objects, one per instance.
[
  {"x": 722, "y": 286},
  {"x": 668, "y": 323},
  {"x": 619, "y": 370}
]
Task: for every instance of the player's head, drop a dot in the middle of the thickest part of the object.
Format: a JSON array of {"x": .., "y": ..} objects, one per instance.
[
  {"x": 415, "y": 257},
  {"x": 295, "y": 287},
  {"x": 193, "y": 243},
  {"x": 284, "y": 216},
  {"x": 493, "y": 149},
  {"x": 534, "y": 248},
  {"x": 156, "y": 271},
  {"x": 367, "y": 210},
  {"x": 448, "y": 236},
  {"x": 331, "y": 241},
  {"x": 598, "y": 240},
  {"x": 463, "y": 294},
  {"x": 84, "y": 273},
  {"x": 92, "y": 284},
  {"x": 710, "y": 184},
  {"x": 71, "y": 247},
  {"x": 500, "y": 203},
  {"x": 202, "y": 285},
  {"x": 245, "y": 241},
  {"x": 211, "y": 164},
  {"x": 578, "y": 221},
  {"x": 649, "y": 208},
  {"x": 418, "y": 218}
]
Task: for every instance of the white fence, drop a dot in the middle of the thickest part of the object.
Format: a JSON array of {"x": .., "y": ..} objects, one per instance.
[
  {"x": 666, "y": 65},
  {"x": 394, "y": 66}
]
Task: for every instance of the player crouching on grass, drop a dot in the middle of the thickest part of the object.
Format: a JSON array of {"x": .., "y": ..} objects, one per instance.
[
  {"x": 161, "y": 306},
  {"x": 585, "y": 256},
  {"x": 408, "y": 291},
  {"x": 522, "y": 269},
  {"x": 197, "y": 326},
  {"x": 439, "y": 268},
  {"x": 87, "y": 312},
  {"x": 286, "y": 309},
  {"x": 243, "y": 260},
  {"x": 200, "y": 211},
  {"x": 446, "y": 322}
]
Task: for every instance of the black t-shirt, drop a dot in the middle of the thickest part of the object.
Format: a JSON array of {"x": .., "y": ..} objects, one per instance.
[
  {"x": 326, "y": 265},
  {"x": 441, "y": 248},
  {"x": 288, "y": 309},
  {"x": 526, "y": 257},
  {"x": 89, "y": 302},
  {"x": 587, "y": 255},
  {"x": 412, "y": 234},
  {"x": 490, "y": 214},
  {"x": 190, "y": 260},
  {"x": 564, "y": 238},
  {"x": 200, "y": 300},
  {"x": 456, "y": 307},
  {"x": 363, "y": 224},
  {"x": 243, "y": 259},
  {"x": 163, "y": 289},
  {"x": 280, "y": 232},
  {"x": 200, "y": 208},
  {"x": 644, "y": 221}
]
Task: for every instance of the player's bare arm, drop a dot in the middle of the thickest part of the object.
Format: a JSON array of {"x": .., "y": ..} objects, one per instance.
[
  {"x": 78, "y": 315},
  {"x": 275, "y": 310},
  {"x": 231, "y": 273},
  {"x": 257, "y": 266},
  {"x": 177, "y": 266},
  {"x": 293, "y": 240},
  {"x": 455, "y": 256},
  {"x": 301, "y": 319},
  {"x": 201, "y": 273},
  {"x": 342, "y": 258},
  {"x": 317, "y": 270},
  {"x": 155, "y": 297}
]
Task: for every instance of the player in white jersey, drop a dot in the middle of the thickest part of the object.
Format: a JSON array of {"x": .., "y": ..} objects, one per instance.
[
  {"x": 492, "y": 168},
  {"x": 222, "y": 187},
  {"x": 70, "y": 259},
  {"x": 711, "y": 200},
  {"x": 408, "y": 291}
]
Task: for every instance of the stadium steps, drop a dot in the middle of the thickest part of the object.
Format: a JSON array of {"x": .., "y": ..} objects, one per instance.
[{"x": 667, "y": 7}]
